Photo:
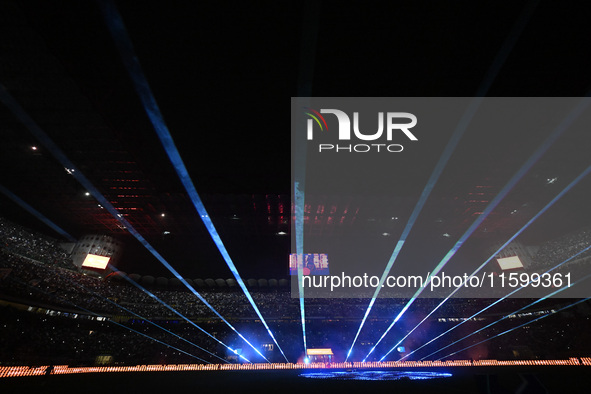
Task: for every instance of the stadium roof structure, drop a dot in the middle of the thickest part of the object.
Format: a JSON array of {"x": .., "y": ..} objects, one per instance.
[{"x": 222, "y": 78}]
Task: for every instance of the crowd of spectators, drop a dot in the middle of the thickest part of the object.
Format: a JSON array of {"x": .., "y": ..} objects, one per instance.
[
  {"x": 39, "y": 284},
  {"x": 21, "y": 241},
  {"x": 556, "y": 251},
  {"x": 40, "y": 339},
  {"x": 36, "y": 274},
  {"x": 30, "y": 275}
]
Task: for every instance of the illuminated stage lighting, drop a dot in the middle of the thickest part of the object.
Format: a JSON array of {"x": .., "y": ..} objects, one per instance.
[
  {"x": 533, "y": 219},
  {"x": 125, "y": 47},
  {"x": 299, "y": 196},
  {"x": 490, "y": 76},
  {"x": 32, "y": 126},
  {"x": 540, "y": 151}
]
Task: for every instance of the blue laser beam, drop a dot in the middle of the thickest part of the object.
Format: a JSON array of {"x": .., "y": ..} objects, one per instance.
[
  {"x": 299, "y": 153},
  {"x": 490, "y": 76},
  {"x": 135, "y": 314},
  {"x": 123, "y": 43},
  {"x": 177, "y": 312},
  {"x": 499, "y": 300},
  {"x": 306, "y": 72},
  {"x": 533, "y": 219},
  {"x": 449, "y": 149},
  {"x": 540, "y": 151},
  {"x": 305, "y": 77},
  {"x": 299, "y": 227},
  {"x": 48, "y": 143},
  {"x": 111, "y": 321},
  {"x": 33, "y": 211},
  {"x": 514, "y": 312}
]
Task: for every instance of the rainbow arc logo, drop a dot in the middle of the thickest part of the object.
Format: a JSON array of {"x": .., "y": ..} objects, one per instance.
[
  {"x": 316, "y": 115},
  {"x": 389, "y": 123}
]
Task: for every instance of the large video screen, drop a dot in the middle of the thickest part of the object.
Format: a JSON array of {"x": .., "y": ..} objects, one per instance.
[
  {"x": 94, "y": 261},
  {"x": 311, "y": 263},
  {"x": 509, "y": 263}
]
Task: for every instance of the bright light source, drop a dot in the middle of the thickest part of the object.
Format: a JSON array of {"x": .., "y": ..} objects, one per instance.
[
  {"x": 281, "y": 233},
  {"x": 163, "y": 214},
  {"x": 446, "y": 235},
  {"x": 386, "y": 234},
  {"x": 33, "y": 148},
  {"x": 87, "y": 194},
  {"x": 94, "y": 261},
  {"x": 508, "y": 263}
]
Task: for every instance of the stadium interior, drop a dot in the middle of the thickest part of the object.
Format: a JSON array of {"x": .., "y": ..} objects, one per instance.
[{"x": 148, "y": 210}]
